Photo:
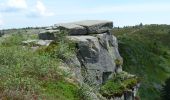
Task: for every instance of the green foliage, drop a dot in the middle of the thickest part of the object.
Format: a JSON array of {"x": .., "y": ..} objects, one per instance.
[
  {"x": 83, "y": 92},
  {"x": 13, "y": 39},
  {"x": 111, "y": 89},
  {"x": 145, "y": 52},
  {"x": 27, "y": 74},
  {"x": 118, "y": 85},
  {"x": 118, "y": 62},
  {"x": 61, "y": 48},
  {"x": 60, "y": 90}
]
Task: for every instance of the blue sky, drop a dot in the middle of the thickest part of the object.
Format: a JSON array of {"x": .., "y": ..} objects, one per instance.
[{"x": 24, "y": 13}]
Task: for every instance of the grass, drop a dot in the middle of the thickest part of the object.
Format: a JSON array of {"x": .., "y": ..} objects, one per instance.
[
  {"x": 27, "y": 74},
  {"x": 116, "y": 86},
  {"x": 146, "y": 53}
]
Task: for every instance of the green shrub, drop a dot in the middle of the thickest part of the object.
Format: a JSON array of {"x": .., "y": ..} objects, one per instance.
[
  {"x": 61, "y": 48},
  {"x": 112, "y": 89},
  {"x": 118, "y": 62},
  {"x": 26, "y": 74},
  {"x": 118, "y": 85},
  {"x": 146, "y": 54}
]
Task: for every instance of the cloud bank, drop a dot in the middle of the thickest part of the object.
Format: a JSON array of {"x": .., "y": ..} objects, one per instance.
[
  {"x": 40, "y": 7},
  {"x": 21, "y": 6}
]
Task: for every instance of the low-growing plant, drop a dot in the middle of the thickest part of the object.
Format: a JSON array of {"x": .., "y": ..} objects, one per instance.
[
  {"x": 118, "y": 62},
  {"x": 61, "y": 48},
  {"x": 118, "y": 85},
  {"x": 26, "y": 74}
]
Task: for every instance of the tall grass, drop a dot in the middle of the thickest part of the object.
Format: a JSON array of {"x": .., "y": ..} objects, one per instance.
[{"x": 26, "y": 74}]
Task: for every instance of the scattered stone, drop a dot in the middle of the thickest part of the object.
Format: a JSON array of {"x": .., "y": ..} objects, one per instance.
[
  {"x": 48, "y": 34},
  {"x": 35, "y": 43}
]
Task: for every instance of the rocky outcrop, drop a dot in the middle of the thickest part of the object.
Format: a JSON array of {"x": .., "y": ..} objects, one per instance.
[
  {"x": 78, "y": 28},
  {"x": 97, "y": 57},
  {"x": 97, "y": 48}
]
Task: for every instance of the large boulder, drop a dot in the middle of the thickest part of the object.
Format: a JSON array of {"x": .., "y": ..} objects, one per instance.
[
  {"x": 86, "y": 27},
  {"x": 48, "y": 34},
  {"x": 96, "y": 26},
  {"x": 72, "y": 28},
  {"x": 97, "y": 55}
]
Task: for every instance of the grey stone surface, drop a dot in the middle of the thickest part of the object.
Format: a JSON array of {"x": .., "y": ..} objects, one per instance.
[
  {"x": 77, "y": 28},
  {"x": 37, "y": 42},
  {"x": 72, "y": 28},
  {"x": 96, "y": 26},
  {"x": 97, "y": 56},
  {"x": 86, "y": 27},
  {"x": 48, "y": 34}
]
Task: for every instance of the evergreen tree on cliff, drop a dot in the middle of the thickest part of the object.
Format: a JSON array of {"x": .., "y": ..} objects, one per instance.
[{"x": 166, "y": 90}]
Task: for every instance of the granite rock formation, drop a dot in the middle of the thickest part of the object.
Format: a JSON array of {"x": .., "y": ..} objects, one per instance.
[{"x": 97, "y": 57}]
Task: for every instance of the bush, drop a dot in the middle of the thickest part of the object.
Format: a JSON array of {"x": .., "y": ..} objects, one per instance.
[
  {"x": 118, "y": 85},
  {"x": 61, "y": 48},
  {"x": 27, "y": 74},
  {"x": 146, "y": 54}
]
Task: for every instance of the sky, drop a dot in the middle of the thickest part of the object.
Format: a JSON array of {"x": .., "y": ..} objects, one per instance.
[{"x": 32, "y": 13}]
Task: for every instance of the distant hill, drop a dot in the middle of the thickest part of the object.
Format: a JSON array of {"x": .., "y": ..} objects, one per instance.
[
  {"x": 28, "y": 30},
  {"x": 146, "y": 53}
]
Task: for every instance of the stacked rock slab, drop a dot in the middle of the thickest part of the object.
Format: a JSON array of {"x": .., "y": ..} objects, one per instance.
[
  {"x": 86, "y": 27},
  {"x": 97, "y": 49}
]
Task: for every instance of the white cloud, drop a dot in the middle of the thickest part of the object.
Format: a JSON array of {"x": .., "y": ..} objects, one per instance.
[
  {"x": 42, "y": 10},
  {"x": 13, "y": 6},
  {"x": 20, "y": 4},
  {"x": 38, "y": 9}
]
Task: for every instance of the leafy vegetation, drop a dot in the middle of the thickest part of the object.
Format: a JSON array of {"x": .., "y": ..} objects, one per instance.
[
  {"x": 146, "y": 53},
  {"x": 118, "y": 85},
  {"x": 27, "y": 74},
  {"x": 61, "y": 48}
]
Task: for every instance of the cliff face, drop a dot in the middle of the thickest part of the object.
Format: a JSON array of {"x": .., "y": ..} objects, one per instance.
[{"x": 97, "y": 58}]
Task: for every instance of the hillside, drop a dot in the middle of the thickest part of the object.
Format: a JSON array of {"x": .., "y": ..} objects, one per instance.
[
  {"x": 146, "y": 53},
  {"x": 47, "y": 72},
  {"x": 70, "y": 61}
]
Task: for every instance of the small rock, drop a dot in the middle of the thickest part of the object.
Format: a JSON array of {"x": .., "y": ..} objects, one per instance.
[
  {"x": 35, "y": 43},
  {"x": 48, "y": 34}
]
